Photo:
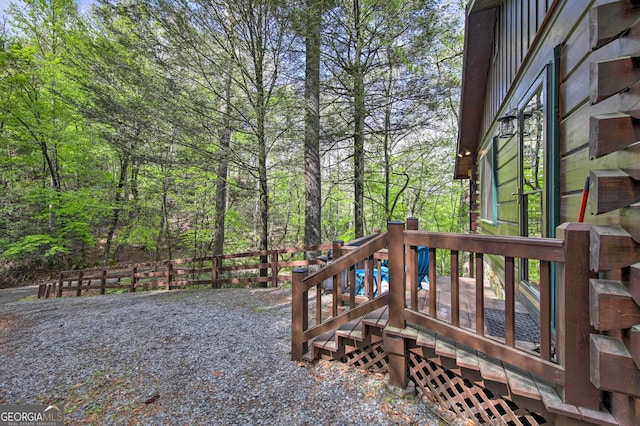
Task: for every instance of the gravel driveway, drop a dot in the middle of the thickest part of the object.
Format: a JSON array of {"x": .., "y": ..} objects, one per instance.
[{"x": 213, "y": 357}]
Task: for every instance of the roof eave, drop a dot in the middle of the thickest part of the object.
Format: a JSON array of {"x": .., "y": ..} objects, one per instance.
[{"x": 479, "y": 37}]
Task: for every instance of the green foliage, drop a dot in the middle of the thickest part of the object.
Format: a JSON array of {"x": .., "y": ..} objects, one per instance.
[
  {"x": 35, "y": 244},
  {"x": 111, "y": 127}
]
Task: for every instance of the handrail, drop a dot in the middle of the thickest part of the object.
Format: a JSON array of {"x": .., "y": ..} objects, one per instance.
[
  {"x": 351, "y": 258},
  {"x": 548, "y": 249},
  {"x": 342, "y": 264}
]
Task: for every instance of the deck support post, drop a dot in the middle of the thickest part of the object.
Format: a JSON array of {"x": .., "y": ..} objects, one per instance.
[
  {"x": 394, "y": 346},
  {"x": 572, "y": 321},
  {"x": 398, "y": 369},
  {"x": 299, "y": 314}
]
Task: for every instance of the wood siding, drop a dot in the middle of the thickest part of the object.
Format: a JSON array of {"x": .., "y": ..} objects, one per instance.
[
  {"x": 598, "y": 125},
  {"x": 519, "y": 56},
  {"x": 516, "y": 28}
]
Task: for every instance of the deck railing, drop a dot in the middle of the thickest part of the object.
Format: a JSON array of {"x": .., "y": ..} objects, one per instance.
[
  {"x": 562, "y": 357},
  {"x": 215, "y": 271},
  {"x": 311, "y": 320}
]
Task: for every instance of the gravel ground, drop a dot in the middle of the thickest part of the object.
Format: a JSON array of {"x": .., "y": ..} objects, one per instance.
[{"x": 214, "y": 357}]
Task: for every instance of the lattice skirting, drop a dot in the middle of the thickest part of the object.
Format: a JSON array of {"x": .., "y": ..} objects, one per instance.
[
  {"x": 371, "y": 358},
  {"x": 450, "y": 391},
  {"x": 466, "y": 400}
]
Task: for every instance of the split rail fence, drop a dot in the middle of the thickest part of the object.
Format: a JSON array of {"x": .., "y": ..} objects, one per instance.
[{"x": 248, "y": 269}]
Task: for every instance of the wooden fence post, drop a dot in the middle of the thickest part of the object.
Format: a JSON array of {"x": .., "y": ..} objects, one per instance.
[
  {"x": 79, "y": 289},
  {"x": 169, "y": 275},
  {"x": 103, "y": 281},
  {"x": 215, "y": 268},
  {"x": 274, "y": 268},
  {"x": 133, "y": 279},
  {"x": 572, "y": 321},
  {"x": 41, "y": 290},
  {"x": 47, "y": 291},
  {"x": 299, "y": 314},
  {"x": 60, "y": 283}
]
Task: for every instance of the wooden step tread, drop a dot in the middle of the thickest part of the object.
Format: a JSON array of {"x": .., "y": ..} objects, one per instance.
[
  {"x": 426, "y": 338},
  {"x": 326, "y": 341},
  {"x": 445, "y": 347},
  {"x": 492, "y": 370},
  {"x": 467, "y": 358},
  {"x": 521, "y": 383},
  {"x": 351, "y": 330},
  {"x": 378, "y": 318}
]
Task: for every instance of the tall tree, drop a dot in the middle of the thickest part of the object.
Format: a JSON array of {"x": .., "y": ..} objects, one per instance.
[
  {"x": 38, "y": 121},
  {"x": 312, "y": 175}
]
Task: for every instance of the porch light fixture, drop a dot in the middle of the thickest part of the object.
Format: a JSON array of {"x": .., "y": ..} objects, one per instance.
[{"x": 506, "y": 125}]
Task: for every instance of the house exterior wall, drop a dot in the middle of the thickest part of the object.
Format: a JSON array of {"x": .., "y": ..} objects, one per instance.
[
  {"x": 585, "y": 54},
  {"x": 521, "y": 52}
]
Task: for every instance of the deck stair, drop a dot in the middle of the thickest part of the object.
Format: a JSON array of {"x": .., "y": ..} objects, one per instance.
[{"x": 350, "y": 343}]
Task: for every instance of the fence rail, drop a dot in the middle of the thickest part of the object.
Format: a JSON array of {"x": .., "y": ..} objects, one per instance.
[{"x": 216, "y": 271}]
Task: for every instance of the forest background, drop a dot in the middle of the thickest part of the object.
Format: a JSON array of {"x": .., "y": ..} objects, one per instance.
[{"x": 145, "y": 130}]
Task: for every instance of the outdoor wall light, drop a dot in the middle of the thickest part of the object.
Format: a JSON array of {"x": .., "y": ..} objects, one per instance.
[{"x": 506, "y": 125}]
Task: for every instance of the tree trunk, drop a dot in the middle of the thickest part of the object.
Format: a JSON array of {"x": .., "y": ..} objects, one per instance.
[
  {"x": 258, "y": 57},
  {"x": 312, "y": 176},
  {"x": 223, "y": 169},
  {"x": 358, "y": 118},
  {"x": 117, "y": 207},
  {"x": 387, "y": 139}
]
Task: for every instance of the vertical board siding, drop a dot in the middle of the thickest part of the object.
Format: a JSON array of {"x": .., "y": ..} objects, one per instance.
[{"x": 517, "y": 24}]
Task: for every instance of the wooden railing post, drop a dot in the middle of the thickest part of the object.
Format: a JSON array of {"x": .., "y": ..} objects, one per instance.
[
  {"x": 397, "y": 286},
  {"x": 572, "y": 310},
  {"x": 412, "y": 266},
  {"x": 396, "y": 346},
  {"x": 299, "y": 314},
  {"x": 274, "y": 268},
  {"x": 336, "y": 290}
]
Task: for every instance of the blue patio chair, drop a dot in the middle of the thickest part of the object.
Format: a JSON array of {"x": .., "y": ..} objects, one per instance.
[
  {"x": 423, "y": 274},
  {"x": 384, "y": 272},
  {"x": 423, "y": 266}
]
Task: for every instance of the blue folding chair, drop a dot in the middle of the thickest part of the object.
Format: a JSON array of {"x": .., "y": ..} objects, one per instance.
[
  {"x": 384, "y": 272},
  {"x": 423, "y": 273},
  {"x": 423, "y": 266}
]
